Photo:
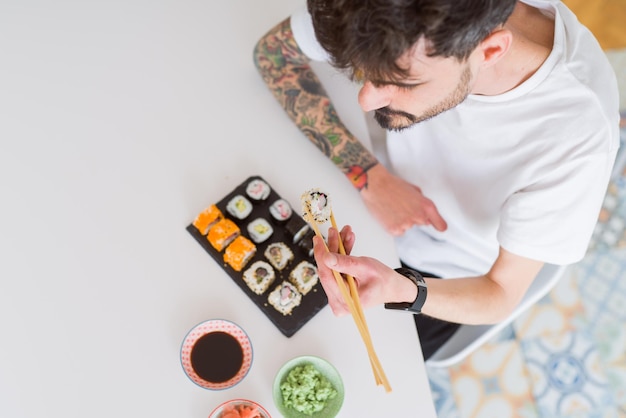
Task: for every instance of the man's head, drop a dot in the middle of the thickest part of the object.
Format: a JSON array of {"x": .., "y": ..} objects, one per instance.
[{"x": 407, "y": 50}]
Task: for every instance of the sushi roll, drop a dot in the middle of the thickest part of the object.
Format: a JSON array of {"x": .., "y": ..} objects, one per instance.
[
  {"x": 281, "y": 211},
  {"x": 239, "y": 252},
  {"x": 278, "y": 254},
  {"x": 207, "y": 218},
  {"x": 317, "y": 203},
  {"x": 306, "y": 243},
  {"x": 284, "y": 298},
  {"x": 259, "y": 276},
  {"x": 258, "y": 190},
  {"x": 239, "y": 207},
  {"x": 260, "y": 230},
  {"x": 223, "y": 233},
  {"x": 304, "y": 277},
  {"x": 296, "y": 227}
]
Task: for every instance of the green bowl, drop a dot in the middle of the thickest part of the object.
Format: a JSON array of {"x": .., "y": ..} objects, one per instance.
[{"x": 327, "y": 370}]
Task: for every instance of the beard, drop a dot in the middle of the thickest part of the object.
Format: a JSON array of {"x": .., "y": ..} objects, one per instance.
[{"x": 397, "y": 120}]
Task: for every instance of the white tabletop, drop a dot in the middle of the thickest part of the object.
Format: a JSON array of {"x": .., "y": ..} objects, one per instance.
[{"x": 119, "y": 121}]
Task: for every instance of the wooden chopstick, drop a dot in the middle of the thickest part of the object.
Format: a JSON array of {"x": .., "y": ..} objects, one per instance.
[
  {"x": 355, "y": 297},
  {"x": 351, "y": 299},
  {"x": 351, "y": 282},
  {"x": 381, "y": 378}
]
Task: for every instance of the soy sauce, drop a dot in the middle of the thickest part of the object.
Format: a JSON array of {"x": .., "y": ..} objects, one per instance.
[{"x": 216, "y": 357}]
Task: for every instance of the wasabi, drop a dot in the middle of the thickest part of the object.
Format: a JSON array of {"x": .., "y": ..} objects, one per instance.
[{"x": 306, "y": 390}]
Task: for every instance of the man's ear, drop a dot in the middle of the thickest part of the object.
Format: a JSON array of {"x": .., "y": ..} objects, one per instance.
[{"x": 495, "y": 46}]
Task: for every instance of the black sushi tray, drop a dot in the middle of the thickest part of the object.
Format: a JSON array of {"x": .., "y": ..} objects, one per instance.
[{"x": 310, "y": 304}]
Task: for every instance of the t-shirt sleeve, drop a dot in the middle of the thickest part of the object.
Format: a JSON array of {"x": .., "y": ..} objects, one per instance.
[
  {"x": 304, "y": 34},
  {"x": 553, "y": 219}
]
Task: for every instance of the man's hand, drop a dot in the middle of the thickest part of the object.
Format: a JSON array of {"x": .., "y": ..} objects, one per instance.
[
  {"x": 376, "y": 283},
  {"x": 397, "y": 204}
]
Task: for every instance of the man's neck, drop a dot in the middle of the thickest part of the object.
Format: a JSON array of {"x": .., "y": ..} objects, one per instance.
[{"x": 533, "y": 35}]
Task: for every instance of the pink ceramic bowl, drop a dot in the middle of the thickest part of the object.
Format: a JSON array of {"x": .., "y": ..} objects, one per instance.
[
  {"x": 240, "y": 408},
  {"x": 211, "y": 326}
]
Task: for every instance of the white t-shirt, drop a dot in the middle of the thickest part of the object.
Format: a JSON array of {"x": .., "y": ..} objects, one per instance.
[{"x": 526, "y": 170}]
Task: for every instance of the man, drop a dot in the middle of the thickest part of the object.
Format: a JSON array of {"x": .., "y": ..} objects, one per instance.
[{"x": 503, "y": 128}]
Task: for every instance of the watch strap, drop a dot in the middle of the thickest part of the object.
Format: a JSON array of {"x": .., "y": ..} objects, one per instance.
[{"x": 420, "y": 299}]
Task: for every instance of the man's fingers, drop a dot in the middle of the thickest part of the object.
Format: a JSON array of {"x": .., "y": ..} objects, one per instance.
[
  {"x": 347, "y": 237},
  {"x": 333, "y": 240},
  {"x": 327, "y": 278},
  {"x": 344, "y": 264},
  {"x": 435, "y": 219}
]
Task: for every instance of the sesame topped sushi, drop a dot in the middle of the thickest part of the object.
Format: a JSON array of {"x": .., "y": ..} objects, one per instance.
[
  {"x": 304, "y": 276},
  {"x": 257, "y": 189},
  {"x": 207, "y": 218},
  {"x": 284, "y": 298},
  {"x": 239, "y": 207},
  {"x": 259, "y": 276},
  {"x": 317, "y": 203},
  {"x": 278, "y": 254}
]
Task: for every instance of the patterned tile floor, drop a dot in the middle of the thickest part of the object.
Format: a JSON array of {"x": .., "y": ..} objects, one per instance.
[{"x": 566, "y": 356}]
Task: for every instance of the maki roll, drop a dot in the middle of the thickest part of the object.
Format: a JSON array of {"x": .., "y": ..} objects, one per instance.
[
  {"x": 239, "y": 252},
  {"x": 258, "y": 190},
  {"x": 207, "y": 218},
  {"x": 260, "y": 230},
  {"x": 306, "y": 243},
  {"x": 259, "y": 276},
  {"x": 223, "y": 233},
  {"x": 304, "y": 277},
  {"x": 239, "y": 207},
  {"x": 296, "y": 227},
  {"x": 317, "y": 204},
  {"x": 284, "y": 298},
  {"x": 278, "y": 254},
  {"x": 281, "y": 211}
]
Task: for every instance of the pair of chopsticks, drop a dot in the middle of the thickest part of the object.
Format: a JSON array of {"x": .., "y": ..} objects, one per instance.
[{"x": 351, "y": 298}]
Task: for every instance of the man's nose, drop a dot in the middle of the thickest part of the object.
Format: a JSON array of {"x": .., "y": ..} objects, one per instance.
[{"x": 372, "y": 97}]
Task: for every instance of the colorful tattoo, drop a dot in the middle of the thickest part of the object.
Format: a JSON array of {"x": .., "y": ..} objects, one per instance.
[
  {"x": 358, "y": 176},
  {"x": 286, "y": 71}
]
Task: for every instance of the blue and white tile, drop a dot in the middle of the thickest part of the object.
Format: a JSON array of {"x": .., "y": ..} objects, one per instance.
[
  {"x": 610, "y": 231},
  {"x": 616, "y": 377},
  {"x": 493, "y": 382},
  {"x": 506, "y": 334},
  {"x": 558, "y": 312},
  {"x": 567, "y": 376},
  {"x": 441, "y": 390},
  {"x": 610, "y": 337},
  {"x": 602, "y": 279}
]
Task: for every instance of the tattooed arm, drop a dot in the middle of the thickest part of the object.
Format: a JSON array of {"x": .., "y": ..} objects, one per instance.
[{"x": 287, "y": 72}]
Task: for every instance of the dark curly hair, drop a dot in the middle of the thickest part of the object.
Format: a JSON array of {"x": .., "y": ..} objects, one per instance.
[{"x": 370, "y": 35}]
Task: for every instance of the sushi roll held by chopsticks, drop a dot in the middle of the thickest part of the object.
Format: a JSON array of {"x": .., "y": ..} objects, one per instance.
[
  {"x": 317, "y": 210},
  {"x": 317, "y": 204}
]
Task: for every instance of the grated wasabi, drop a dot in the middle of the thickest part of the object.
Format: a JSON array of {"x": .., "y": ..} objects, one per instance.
[{"x": 306, "y": 390}]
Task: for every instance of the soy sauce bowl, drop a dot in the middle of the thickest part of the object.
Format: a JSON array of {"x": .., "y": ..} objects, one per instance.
[
  {"x": 211, "y": 349},
  {"x": 240, "y": 405}
]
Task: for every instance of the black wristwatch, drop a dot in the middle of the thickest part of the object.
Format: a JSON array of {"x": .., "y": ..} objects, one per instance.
[{"x": 418, "y": 303}]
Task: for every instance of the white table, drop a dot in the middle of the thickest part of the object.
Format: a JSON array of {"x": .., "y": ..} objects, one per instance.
[{"x": 119, "y": 122}]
